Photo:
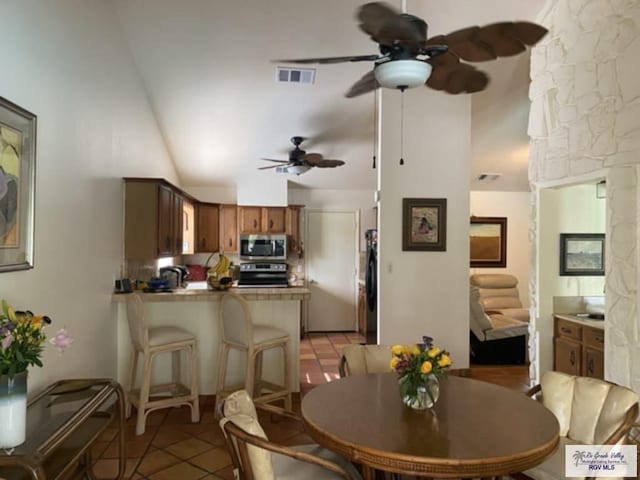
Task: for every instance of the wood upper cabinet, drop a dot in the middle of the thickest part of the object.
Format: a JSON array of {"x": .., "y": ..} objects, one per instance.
[
  {"x": 255, "y": 219},
  {"x": 250, "y": 219},
  {"x": 578, "y": 349},
  {"x": 273, "y": 219},
  {"x": 292, "y": 229},
  {"x": 207, "y": 228},
  {"x": 229, "y": 228},
  {"x": 153, "y": 219}
]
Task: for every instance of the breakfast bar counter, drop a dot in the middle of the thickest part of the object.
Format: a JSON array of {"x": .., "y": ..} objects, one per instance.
[{"x": 197, "y": 311}]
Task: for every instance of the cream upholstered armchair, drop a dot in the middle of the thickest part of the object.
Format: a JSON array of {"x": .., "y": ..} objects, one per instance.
[
  {"x": 358, "y": 359},
  {"x": 589, "y": 411},
  {"x": 498, "y": 294},
  {"x": 495, "y": 338},
  {"x": 254, "y": 457}
]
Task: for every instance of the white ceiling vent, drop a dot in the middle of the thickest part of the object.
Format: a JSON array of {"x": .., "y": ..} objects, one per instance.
[
  {"x": 489, "y": 177},
  {"x": 295, "y": 75}
]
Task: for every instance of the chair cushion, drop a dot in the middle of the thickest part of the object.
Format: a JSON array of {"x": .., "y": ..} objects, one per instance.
[
  {"x": 505, "y": 327},
  {"x": 494, "y": 280},
  {"x": 259, "y": 457},
  {"x": 164, "y": 335},
  {"x": 239, "y": 402},
  {"x": 367, "y": 358},
  {"x": 618, "y": 402},
  {"x": 521, "y": 314},
  {"x": 289, "y": 468},
  {"x": 264, "y": 333},
  {"x": 479, "y": 322},
  {"x": 557, "y": 393},
  {"x": 553, "y": 467},
  {"x": 494, "y": 303},
  {"x": 589, "y": 395}
]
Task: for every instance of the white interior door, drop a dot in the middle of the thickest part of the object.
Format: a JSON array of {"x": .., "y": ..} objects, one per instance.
[{"x": 332, "y": 245}]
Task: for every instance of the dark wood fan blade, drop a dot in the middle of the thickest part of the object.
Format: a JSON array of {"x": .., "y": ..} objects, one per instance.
[
  {"x": 387, "y": 26},
  {"x": 366, "y": 84},
  {"x": 353, "y": 58},
  {"x": 316, "y": 160},
  {"x": 312, "y": 159},
  {"x": 527, "y": 32},
  {"x": 327, "y": 163},
  {"x": 479, "y": 44},
  {"x": 374, "y": 15},
  {"x": 457, "y": 78},
  {"x": 498, "y": 36},
  {"x": 447, "y": 58}
]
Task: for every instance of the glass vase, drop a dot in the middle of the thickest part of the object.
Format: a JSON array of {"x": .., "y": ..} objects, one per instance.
[
  {"x": 13, "y": 410},
  {"x": 420, "y": 394}
]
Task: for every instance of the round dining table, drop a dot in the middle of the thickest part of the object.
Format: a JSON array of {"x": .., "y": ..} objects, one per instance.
[{"x": 476, "y": 429}]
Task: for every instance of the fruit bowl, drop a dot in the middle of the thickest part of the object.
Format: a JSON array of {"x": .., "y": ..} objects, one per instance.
[{"x": 223, "y": 283}]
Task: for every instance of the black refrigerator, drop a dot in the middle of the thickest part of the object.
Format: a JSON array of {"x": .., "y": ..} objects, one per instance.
[{"x": 371, "y": 286}]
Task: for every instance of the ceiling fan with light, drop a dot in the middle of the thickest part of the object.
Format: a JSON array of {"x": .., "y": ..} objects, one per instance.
[
  {"x": 408, "y": 58},
  {"x": 300, "y": 161}
]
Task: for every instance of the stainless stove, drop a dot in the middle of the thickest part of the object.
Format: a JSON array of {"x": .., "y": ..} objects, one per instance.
[{"x": 263, "y": 274}]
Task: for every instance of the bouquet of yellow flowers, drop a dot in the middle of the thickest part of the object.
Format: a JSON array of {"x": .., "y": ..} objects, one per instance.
[
  {"x": 22, "y": 339},
  {"x": 418, "y": 367}
]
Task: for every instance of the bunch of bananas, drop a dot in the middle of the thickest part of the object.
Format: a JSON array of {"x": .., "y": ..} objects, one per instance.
[{"x": 220, "y": 269}]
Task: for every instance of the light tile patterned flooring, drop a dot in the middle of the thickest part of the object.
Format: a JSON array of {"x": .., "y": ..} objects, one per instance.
[{"x": 173, "y": 448}]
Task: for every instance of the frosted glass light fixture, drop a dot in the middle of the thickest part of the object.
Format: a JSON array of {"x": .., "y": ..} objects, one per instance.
[{"x": 402, "y": 74}]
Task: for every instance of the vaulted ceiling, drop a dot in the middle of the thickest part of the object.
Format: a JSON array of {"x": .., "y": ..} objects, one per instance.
[{"x": 207, "y": 68}]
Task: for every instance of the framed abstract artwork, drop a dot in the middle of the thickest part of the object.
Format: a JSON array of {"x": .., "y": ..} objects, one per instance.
[
  {"x": 17, "y": 186},
  {"x": 581, "y": 254},
  {"x": 488, "y": 242},
  {"x": 424, "y": 224}
]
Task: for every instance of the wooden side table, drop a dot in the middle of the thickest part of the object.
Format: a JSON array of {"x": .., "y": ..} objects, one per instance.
[{"x": 62, "y": 423}]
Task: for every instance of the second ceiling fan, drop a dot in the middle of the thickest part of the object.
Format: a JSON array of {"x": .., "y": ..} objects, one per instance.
[
  {"x": 408, "y": 58},
  {"x": 300, "y": 161}
]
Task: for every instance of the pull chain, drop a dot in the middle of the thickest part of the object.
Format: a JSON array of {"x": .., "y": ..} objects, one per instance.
[
  {"x": 375, "y": 126},
  {"x": 402, "y": 128}
]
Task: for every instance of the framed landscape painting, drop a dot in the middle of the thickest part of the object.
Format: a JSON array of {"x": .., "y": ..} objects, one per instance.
[
  {"x": 17, "y": 184},
  {"x": 488, "y": 242},
  {"x": 581, "y": 254},
  {"x": 424, "y": 224}
]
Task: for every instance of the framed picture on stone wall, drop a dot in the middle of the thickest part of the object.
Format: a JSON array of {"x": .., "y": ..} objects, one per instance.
[
  {"x": 582, "y": 254},
  {"x": 17, "y": 186},
  {"x": 488, "y": 242}
]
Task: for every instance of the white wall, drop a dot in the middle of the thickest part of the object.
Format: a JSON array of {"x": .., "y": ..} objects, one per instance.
[
  {"x": 69, "y": 66},
  {"x": 515, "y": 206},
  {"x": 425, "y": 293}
]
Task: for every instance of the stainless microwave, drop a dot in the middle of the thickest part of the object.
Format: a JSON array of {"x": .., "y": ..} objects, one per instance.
[{"x": 263, "y": 247}]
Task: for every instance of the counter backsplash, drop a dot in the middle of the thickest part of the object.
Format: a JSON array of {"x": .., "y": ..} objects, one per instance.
[{"x": 578, "y": 304}]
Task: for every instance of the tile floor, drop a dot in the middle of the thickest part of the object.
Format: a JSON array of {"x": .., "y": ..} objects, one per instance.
[{"x": 173, "y": 448}]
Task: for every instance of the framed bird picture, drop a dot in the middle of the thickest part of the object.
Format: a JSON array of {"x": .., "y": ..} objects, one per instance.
[{"x": 424, "y": 224}]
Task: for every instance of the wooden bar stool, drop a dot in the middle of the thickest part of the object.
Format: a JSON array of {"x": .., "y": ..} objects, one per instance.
[
  {"x": 237, "y": 331},
  {"x": 150, "y": 342}
]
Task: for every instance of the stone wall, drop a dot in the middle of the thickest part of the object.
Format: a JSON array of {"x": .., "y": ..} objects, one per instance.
[{"x": 585, "y": 117}]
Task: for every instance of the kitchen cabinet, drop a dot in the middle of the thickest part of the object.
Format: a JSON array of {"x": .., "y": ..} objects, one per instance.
[
  {"x": 256, "y": 219},
  {"x": 207, "y": 228},
  {"x": 229, "y": 228},
  {"x": 153, "y": 219},
  {"x": 273, "y": 219},
  {"x": 292, "y": 229},
  {"x": 250, "y": 219},
  {"x": 578, "y": 348}
]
